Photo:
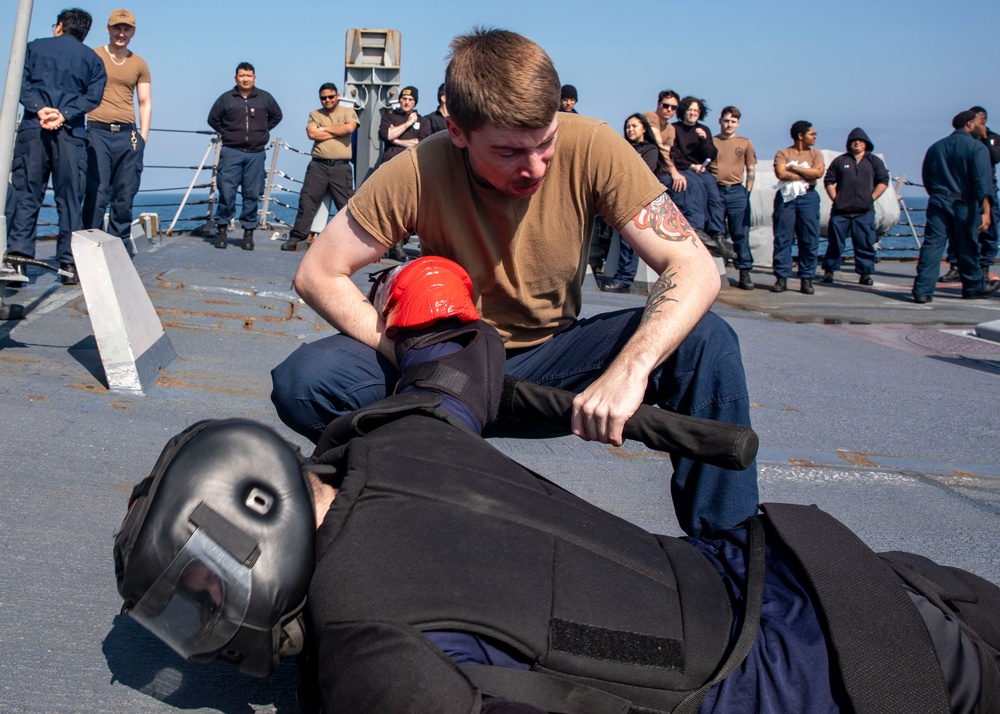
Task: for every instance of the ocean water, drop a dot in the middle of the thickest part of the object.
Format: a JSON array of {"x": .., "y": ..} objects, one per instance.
[{"x": 898, "y": 244}]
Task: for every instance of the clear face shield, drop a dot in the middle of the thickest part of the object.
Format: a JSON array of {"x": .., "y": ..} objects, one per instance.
[{"x": 200, "y": 601}]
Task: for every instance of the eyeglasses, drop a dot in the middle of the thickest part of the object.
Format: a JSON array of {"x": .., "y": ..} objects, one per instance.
[
  {"x": 670, "y": 106},
  {"x": 329, "y": 97}
]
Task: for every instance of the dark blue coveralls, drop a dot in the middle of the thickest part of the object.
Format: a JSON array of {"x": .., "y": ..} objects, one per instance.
[
  {"x": 988, "y": 238},
  {"x": 64, "y": 74},
  {"x": 956, "y": 175}
]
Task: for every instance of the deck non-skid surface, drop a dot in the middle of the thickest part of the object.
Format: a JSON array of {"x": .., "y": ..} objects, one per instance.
[{"x": 888, "y": 424}]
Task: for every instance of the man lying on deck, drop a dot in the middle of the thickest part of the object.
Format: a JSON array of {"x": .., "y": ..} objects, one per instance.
[{"x": 414, "y": 568}]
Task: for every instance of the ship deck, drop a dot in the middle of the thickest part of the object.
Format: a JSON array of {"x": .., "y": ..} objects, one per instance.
[{"x": 880, "y": 411}]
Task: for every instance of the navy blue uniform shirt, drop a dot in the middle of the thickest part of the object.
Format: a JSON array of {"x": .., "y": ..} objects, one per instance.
[
  {"x": 62, "y": 73},
  {"x": 958, "y": 164}
]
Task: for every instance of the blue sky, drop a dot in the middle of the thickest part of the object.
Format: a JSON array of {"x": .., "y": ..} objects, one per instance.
[{"x": 890, "y": 67}]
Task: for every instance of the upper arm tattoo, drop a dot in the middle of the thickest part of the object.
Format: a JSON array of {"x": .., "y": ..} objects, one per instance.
[
  {"x": 663, "y": 217},
  {"x": 658, "y": 295}
]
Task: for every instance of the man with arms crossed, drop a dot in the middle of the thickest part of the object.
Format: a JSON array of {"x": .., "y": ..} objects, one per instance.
[
  {"x": 114, "y": 156},
  {"x": 510, "y": 193},
  {"x": 330, "y": 127}
]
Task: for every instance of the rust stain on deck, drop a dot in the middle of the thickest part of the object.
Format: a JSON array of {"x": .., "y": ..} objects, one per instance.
[{"x": 854, "y": 457}]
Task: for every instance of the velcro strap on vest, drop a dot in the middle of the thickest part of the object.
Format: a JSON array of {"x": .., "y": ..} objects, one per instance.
[{"x": 883, "y": 651}]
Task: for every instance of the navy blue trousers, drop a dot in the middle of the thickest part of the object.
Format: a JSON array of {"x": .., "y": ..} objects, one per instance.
[
  {"x": 715, "y": 212},
  {"x": 114, "y": 168},
  {"x": 704, "y": 377},
  {"x": 987, "y": 241},
  {"x": 321, "y": 176},
  {"x": 38, "y": 154},
  {"x": 628, "y": 262},
  {"x": 691, "y": 202},
  {"x": 243, "y": 170},
  {"x": 949, "y": 220},
  {"x": 796, "y": 219},
  {"x": 736, "y": 205},
  {"x": 862, "y": 231}
]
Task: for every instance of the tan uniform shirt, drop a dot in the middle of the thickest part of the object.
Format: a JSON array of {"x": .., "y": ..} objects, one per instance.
[
  {"x": 814, "y": 157},
  {"x": 336, "y": 147},
  {"x": 527, "y": 256},
  {"x": 735, "y": 156},
  {"x": 123, "y": 75}
]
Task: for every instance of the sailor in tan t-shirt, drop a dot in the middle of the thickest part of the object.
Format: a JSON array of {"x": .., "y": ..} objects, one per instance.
[
  {"x": 734, "y": 168},
  {"x": 330, "y": 127},
  {"x": 510, "y": 193},
  {"x": 796, "y": 208},
  {"x": 116, "y": 142}
]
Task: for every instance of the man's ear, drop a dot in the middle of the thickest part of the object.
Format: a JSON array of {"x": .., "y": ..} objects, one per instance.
[{"x": 458, "y": 137}]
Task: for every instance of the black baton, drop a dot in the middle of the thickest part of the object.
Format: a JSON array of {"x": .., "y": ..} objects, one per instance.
[{"x": 729, "y": 446}]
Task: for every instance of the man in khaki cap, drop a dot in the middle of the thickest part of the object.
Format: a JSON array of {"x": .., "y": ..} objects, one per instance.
[{"x": 114, "y": 157}]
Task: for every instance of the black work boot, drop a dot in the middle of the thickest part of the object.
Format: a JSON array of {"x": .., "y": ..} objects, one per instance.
[
  {"x": 951, "y": 276},
  {"x": 806, "y": 287},
  {"x": 70, "y": 279},
  {"x": 780, "y": 285},
  {"x": 745, "y": 282},
  {"x": 827, "y": 277},
  {"x": 220, "y": 237},
  {"x": 247, "y": 239}
]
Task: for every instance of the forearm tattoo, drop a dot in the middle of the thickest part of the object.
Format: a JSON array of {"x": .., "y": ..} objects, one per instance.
[
  {"x": 663, "y": 217},
  {"x": 751, "y": 170},
  {"x": 658, "y": 295}
]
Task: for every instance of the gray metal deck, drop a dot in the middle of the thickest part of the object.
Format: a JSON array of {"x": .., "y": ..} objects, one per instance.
[{"x": 891, "y": 427}]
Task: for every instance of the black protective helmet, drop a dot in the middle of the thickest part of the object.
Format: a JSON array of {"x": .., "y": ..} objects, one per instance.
[{"x": 216, "y": 552}]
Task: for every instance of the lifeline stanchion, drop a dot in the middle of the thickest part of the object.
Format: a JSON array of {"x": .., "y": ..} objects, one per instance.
[
  {"x": 277, "y": 144},
  {"x": 213, "y": 144}
]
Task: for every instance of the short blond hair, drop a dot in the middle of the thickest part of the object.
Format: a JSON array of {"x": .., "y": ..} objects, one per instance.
[{"x": 502, "y": 78}]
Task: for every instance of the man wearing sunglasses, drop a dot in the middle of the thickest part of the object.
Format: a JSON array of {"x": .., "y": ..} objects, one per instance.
[
  {"x": 330, "y": 127},
  {"x": 663, "y": 130}
]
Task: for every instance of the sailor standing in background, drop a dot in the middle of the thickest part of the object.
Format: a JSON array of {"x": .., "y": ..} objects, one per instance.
[
  {"x": 114, "y": 156},
  {"x": 330, "y": 127},
  {"x": 796, "y": 208},
  {"x": 956, "y": 175},
  {"x": 854, "y": 182},
  {"x": 988, "y": 238},
  {"x": 63, "y": 80},
  {"x": 734, "y": 169},
  {"x": 244, "y": 117}
]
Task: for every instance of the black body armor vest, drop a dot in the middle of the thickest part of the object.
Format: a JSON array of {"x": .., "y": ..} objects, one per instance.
[{"x": 459, "y": 537}]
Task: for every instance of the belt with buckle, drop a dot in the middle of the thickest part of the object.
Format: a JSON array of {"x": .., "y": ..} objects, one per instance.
[
  {"x": 112, "y": 126},
  {"x": 332, "y": 162}
]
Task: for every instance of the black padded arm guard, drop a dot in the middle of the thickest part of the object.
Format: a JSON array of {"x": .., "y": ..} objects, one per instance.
[{"x": 473, "y": 375}]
